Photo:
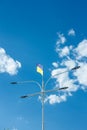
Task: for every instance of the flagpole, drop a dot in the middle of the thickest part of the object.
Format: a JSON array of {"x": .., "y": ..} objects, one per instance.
[{"x": 42, "y": 103}]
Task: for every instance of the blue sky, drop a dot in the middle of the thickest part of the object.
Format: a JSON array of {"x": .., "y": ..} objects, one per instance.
[{"x": 54, "y": 34}]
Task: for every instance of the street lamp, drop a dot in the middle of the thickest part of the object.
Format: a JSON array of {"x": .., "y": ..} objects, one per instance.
[{"x": 43, "y": 91}]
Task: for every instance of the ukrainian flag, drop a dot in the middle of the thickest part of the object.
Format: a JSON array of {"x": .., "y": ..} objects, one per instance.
[{"x": 40, "y": 69}]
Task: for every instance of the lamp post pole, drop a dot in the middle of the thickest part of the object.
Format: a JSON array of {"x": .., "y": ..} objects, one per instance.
[
  {"x": 43, "y": 91},
  {"x": 42, "y": 104}
]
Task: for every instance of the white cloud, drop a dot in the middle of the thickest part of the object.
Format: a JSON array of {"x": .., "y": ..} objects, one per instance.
[
  {"x": 63, "y": 80},
  {"x": 81, "y": 74},
  {"x": 20, "y": 118},
  {"x": 64, "y": 52},
  {"x": 8, "y": 64},
  {"x": 52, "y": 99},
  {"x": 69, "y": 63},
  {"x": 61, "y": 39},
  {"x": 14, "y": 128},
  {"x": 55, "y": 64},
  {"x": 81, "y": 50},
  {"x": 69, "y": 57},
  {"x": 71, "y": 32}
]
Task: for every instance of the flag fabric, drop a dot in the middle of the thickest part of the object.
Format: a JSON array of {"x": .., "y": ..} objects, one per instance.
[{"x": 40, "y": 69}]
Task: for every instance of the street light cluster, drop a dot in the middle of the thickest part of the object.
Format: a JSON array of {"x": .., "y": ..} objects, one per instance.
[{"x": 43, "y": 91}]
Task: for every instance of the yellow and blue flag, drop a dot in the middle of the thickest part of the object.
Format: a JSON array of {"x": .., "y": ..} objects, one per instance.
[{"x": 40, "y": 69}]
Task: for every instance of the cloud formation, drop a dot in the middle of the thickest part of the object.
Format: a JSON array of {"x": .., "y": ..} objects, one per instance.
[
  {"x": 69, "y": 57},
  {"x": 8, "y": 64},
  {"x": 14, "y": 129},
  {"x": 81, "y": 49},
  {"x": 56, "y": 99},
  {"x": 61, "y": 39},
  {"x": 55, "y": 64},
  {"x": 71, "y": 32}
]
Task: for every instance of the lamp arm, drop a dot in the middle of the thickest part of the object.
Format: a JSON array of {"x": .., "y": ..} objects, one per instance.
[
  {"x": 54, "y": 76},
  {"x": 28, "y": 81},
  {"x": 75, "y": 68}
]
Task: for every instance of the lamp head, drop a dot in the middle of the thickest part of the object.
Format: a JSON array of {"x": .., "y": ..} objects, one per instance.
[
  {"x": 24, "y": 96},
  {"x": 13, "y": 82},
  {"x": 63, "y": 88},
  {"x": 77, "y": 67}
]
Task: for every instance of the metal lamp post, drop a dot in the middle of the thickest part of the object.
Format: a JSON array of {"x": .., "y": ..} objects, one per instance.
[{"x": 43, "y": 91}]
